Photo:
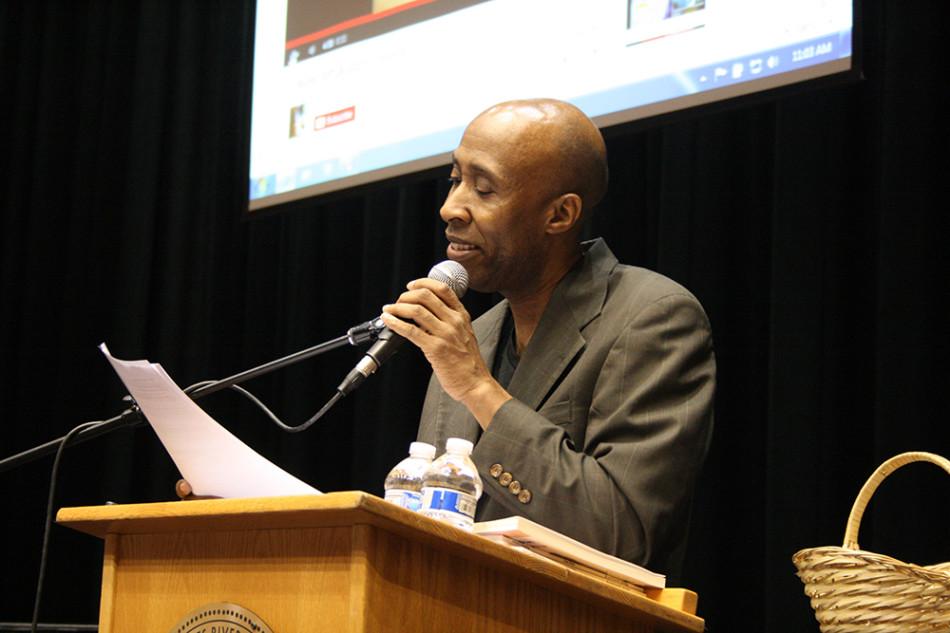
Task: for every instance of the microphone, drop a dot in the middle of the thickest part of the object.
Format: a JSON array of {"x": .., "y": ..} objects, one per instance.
[{"x": 449, "y": 272}]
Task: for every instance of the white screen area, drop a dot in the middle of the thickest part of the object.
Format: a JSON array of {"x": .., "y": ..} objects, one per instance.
[{"x": 373, "y": 89}]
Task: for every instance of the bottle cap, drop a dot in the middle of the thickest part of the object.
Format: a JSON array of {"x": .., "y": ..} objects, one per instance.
[
  {"x": 458, "y": 446},
  {"x": 421, "y": 449}
]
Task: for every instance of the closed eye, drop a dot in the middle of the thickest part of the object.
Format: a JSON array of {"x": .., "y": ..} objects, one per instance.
[{"x": 481, "y": 187}]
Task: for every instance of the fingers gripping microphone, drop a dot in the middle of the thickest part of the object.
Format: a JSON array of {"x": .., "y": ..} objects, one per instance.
[{"x": 453, "y": 275}]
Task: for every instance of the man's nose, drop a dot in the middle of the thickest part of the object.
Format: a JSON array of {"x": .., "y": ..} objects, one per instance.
[{"x": 455, "y": 208}]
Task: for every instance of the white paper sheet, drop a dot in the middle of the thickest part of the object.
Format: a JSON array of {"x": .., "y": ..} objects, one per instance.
[{"x": 209, "y": 457}]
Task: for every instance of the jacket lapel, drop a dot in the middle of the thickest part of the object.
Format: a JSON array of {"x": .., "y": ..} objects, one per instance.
[{"x": 559, "y": 338}]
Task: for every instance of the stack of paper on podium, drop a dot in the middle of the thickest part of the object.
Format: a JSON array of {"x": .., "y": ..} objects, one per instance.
[
  {"x": 525, "y": 534},
  {"x": 212, "y": 460}
]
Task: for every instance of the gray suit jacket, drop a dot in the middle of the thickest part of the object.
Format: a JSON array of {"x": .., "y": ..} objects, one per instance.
[{"x": 611, "y": 412}]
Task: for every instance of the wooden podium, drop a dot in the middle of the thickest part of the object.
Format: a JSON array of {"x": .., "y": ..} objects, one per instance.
[{"x": 345, "y": 562}]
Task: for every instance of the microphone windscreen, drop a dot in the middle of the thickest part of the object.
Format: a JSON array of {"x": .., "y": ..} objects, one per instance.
[{"x": 452, "y": 274}]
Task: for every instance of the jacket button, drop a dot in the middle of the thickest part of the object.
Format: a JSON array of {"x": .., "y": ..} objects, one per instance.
[
  {"x": 495, "y": 470},
  {"x": 515, "y": 487},
  {"x": 505, "y": 479},
  {"x": 524, "y": 496}
]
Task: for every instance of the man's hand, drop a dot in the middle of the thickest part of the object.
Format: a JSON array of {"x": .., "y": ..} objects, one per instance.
[{"x": 441, "y": 327}]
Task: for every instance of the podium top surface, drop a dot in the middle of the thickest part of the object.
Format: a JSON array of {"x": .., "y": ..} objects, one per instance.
[
  {"x": 334, "y": 509},
  {"x": 674, "y": 607}
]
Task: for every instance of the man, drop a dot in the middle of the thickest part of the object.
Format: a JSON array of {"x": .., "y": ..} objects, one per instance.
[{"x": 588, "y": 390}]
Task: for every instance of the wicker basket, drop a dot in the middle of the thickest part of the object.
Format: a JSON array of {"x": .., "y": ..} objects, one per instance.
[{"x": 854, "y": 591}]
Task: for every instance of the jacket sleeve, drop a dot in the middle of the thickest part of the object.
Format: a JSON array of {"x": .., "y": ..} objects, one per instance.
[{"x": 627, "y": 488}]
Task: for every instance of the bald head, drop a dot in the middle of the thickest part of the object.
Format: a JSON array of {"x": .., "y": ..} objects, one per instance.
[{"x": 559, "y": 141}]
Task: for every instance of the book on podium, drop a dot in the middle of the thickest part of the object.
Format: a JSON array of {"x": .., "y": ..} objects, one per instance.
[{"x": 526, "y": 535}]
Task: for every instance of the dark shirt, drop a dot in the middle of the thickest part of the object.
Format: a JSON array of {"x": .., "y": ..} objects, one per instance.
[{"x": 506, "y": 359}]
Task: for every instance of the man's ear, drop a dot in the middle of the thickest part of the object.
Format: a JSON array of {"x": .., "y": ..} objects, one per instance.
[{"x": 564, "y": 213}]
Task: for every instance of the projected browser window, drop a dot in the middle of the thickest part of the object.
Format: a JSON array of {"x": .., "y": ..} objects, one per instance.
[{"x": 347, "y": 92}]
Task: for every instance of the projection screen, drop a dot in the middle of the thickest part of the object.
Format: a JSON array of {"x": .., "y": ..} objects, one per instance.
[{"x": 347, "y": 92}]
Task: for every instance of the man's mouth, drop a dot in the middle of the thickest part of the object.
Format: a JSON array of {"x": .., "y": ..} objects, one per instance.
[
  {"x": 461, "y": 251},
  {"x": 460, "y": 246}
]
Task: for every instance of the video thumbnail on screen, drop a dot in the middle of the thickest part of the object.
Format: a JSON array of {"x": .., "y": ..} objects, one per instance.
[{"x": 319, "y": 27}]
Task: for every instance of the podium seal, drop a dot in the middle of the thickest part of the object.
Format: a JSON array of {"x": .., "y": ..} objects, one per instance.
[{"x": 221, "y": 617}]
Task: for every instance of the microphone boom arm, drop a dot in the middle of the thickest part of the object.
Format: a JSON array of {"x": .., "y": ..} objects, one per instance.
[{"x": 132, "y": 417}]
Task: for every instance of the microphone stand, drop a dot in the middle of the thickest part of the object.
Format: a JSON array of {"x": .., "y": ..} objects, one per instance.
[{"x": 132, "y": 417}]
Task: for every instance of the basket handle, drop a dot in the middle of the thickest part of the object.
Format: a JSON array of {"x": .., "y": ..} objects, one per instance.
[{"x": 879, "y": 475}]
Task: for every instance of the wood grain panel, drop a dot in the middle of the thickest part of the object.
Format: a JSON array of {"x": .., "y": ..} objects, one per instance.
[
  {"x": 107, "y": 598},
  {"x": 293, "y": 580},
  {"x": 440, "y": 591}
]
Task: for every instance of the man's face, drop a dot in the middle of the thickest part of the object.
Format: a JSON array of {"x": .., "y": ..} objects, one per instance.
[{"x": 495, "y": 210}]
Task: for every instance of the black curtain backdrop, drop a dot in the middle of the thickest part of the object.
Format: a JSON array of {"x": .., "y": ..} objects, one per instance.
[{"x": 811, "y": 225}]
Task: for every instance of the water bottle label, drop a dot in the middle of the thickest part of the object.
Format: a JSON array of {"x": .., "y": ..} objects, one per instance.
[
  {"x": 446, "y": 504},
  {"x": 405, "y": 498}
]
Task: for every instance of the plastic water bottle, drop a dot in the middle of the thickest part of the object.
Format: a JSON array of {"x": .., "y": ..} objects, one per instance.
[
  {"x": 452, "y": 486},
  {"x": 404, "y": 483}
]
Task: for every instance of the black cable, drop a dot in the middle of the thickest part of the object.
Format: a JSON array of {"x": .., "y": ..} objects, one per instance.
[
  {"x": 49, "y": 518},
  {"x": 270, "y": 414}
]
